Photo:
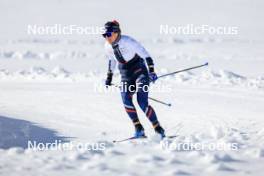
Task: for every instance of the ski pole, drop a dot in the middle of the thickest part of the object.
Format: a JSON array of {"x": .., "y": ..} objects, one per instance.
[
  {"x": 153, "y": 99},
  {"x": 191, "y": 68},
  {"x": 161, "y": 102}
]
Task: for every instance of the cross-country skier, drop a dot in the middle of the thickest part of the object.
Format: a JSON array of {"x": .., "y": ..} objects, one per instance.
[{"x": 135, "y": 77}]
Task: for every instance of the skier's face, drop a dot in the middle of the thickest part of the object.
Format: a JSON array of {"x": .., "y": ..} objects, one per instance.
[{"x": 112, "y": 38}]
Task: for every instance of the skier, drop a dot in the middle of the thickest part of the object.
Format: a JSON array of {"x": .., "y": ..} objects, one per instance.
[{"x": 131, "y": 57}]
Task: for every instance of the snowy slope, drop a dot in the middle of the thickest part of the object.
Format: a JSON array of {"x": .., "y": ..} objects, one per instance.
[
  {"x": 47, "y": 90},
  {"x": 212, "y": 111}
]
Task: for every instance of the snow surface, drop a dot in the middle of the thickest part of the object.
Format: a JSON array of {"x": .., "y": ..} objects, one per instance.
[{"x": 47, "y": 91}]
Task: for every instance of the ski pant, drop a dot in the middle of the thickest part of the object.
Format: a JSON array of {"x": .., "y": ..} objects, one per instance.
[{"x": 140, "y": 88}]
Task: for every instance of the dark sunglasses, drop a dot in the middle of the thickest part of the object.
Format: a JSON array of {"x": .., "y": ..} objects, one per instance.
[{"x": 107, "y": 34}]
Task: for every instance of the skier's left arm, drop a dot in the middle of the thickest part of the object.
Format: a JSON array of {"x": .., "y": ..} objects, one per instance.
[{"x": 142, "y": 52}]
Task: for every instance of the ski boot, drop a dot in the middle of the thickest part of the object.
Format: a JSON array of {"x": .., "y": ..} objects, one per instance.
[
  {"x": 139, "y": 131},
  {"x": 159, "y": 130}
]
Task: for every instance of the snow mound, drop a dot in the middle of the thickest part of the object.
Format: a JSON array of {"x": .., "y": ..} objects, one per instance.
[
  {"x": 208, "y": 77},
  {"x": 59, "y": 71},
  {"x": 230, "y": 75}
]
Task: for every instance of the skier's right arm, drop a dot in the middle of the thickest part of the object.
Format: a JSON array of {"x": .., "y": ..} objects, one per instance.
[{"x": 111, "y": 67}]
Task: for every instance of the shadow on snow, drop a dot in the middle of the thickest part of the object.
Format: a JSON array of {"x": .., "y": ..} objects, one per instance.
[{"x": 17, "y": 133}]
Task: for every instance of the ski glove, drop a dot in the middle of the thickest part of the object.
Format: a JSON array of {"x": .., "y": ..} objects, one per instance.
[
  {"x": 153, "y": 77},
  {"x": 108, "y": 80}
]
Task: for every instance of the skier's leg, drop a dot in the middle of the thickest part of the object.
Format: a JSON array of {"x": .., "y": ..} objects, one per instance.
[
  {"x": 129, "y": 106},
  {"x": 142, "y": 99},
  {"x": 127, "y": 98}
]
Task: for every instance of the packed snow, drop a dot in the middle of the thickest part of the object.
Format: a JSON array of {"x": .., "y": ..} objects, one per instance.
[{"x": 52, "y": 92}]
